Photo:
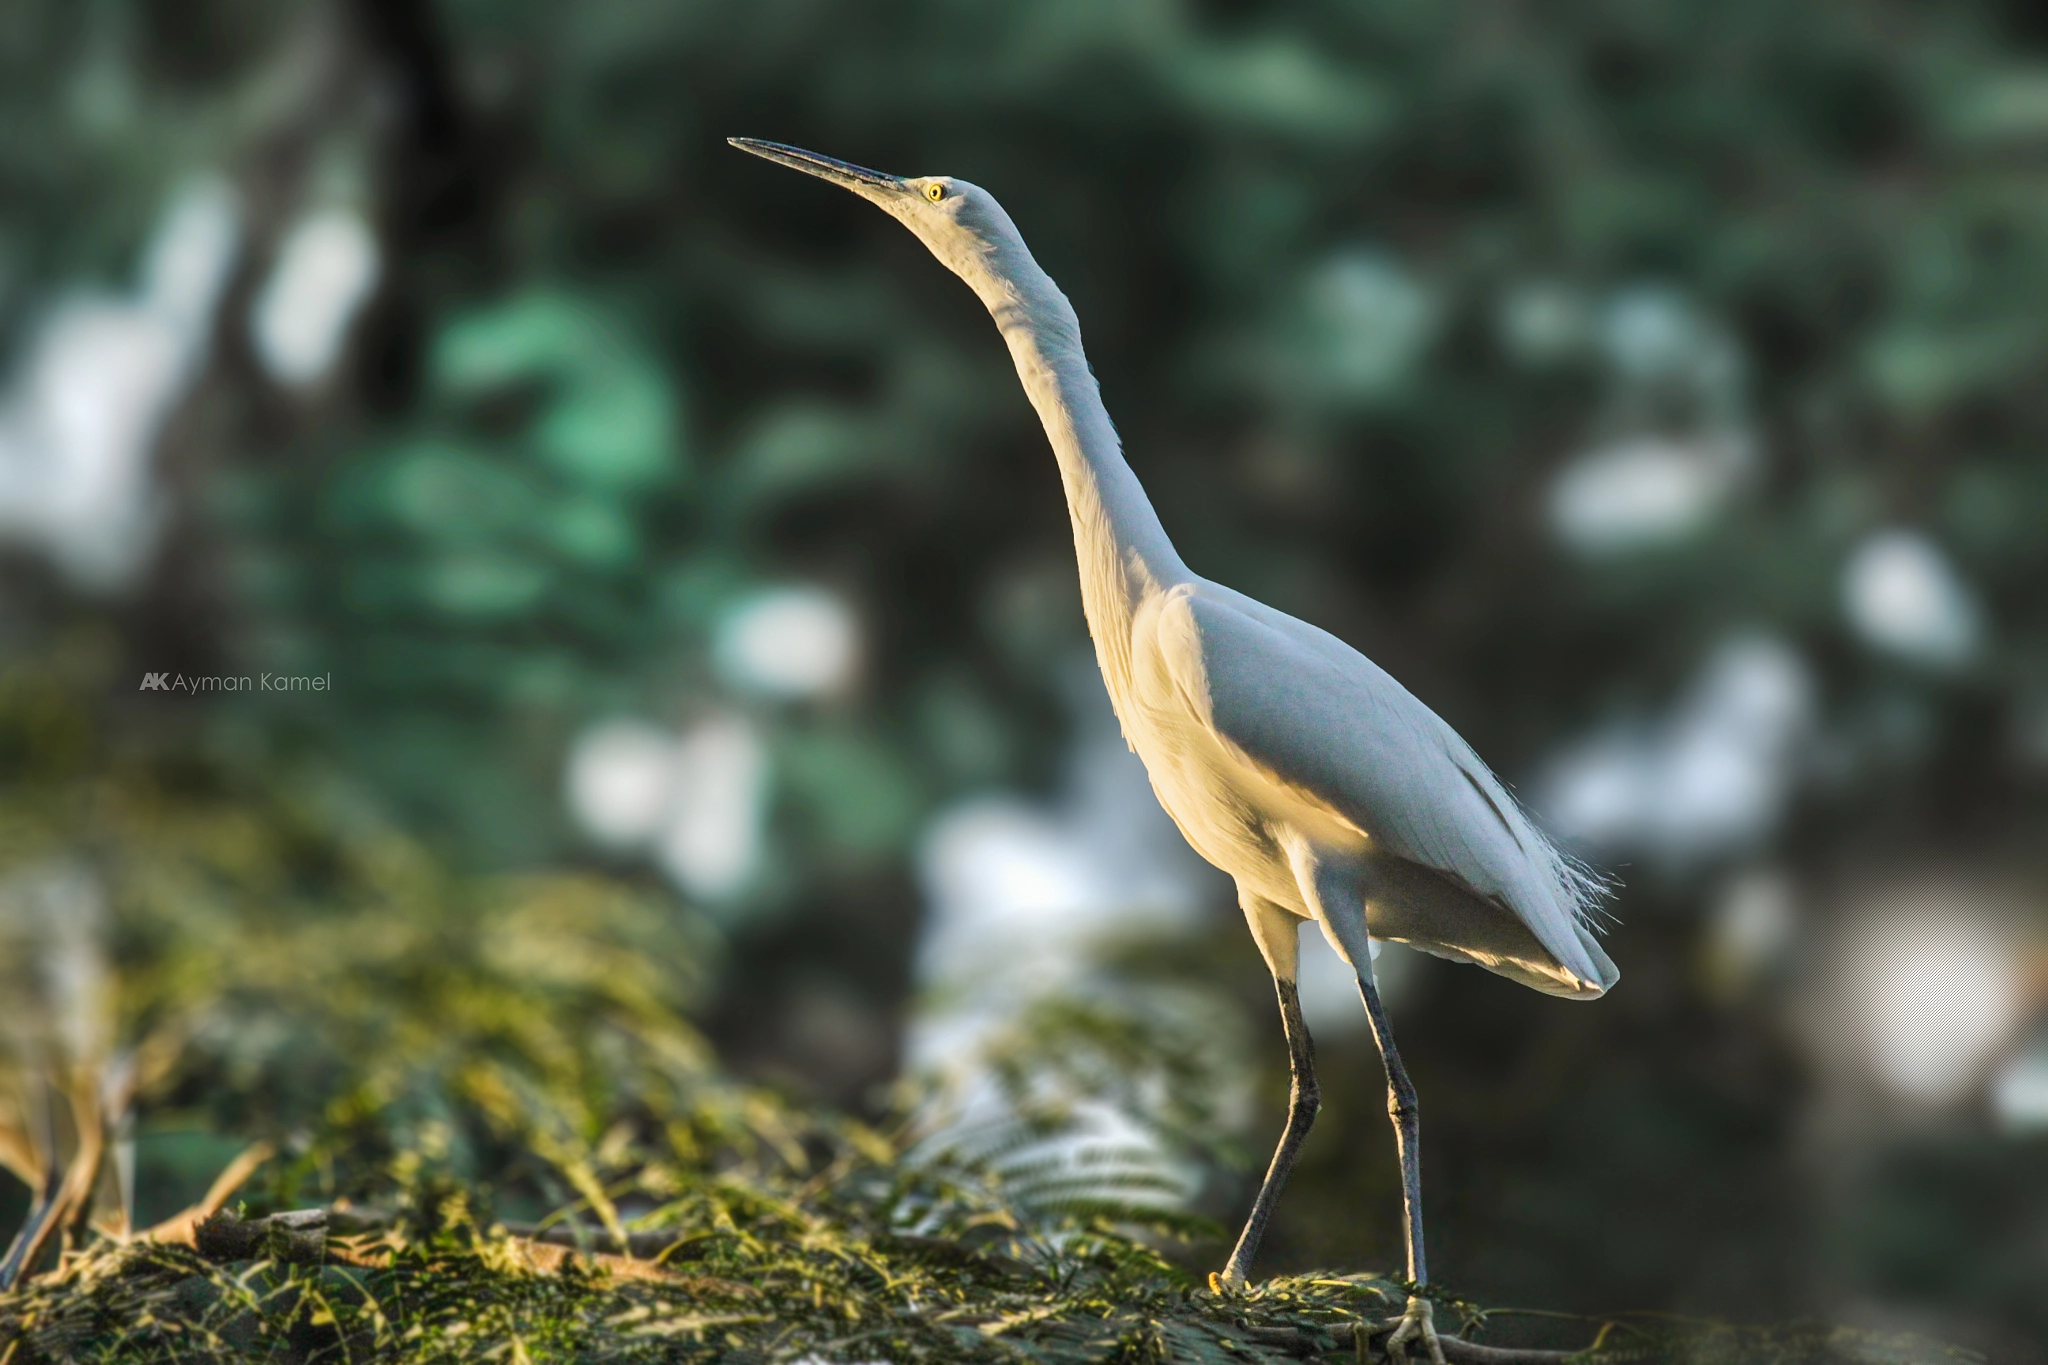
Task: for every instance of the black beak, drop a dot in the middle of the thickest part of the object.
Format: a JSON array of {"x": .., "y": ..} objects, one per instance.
[{"x": 856, "y": 178}]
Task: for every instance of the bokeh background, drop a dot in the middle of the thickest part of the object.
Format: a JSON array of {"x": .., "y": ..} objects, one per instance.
[{"x": 1655, "y": 389}]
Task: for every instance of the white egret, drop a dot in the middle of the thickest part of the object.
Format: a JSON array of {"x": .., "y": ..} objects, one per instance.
[{"x": 1288, "y": 759}]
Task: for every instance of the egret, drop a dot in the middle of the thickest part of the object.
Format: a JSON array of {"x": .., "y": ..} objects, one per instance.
[{"x": 1324, "y": 788}]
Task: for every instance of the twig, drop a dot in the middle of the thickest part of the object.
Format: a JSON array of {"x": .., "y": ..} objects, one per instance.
[
  {"x": 1476, "y": 1353},
  {"x": 1463, "y": 1352},
  {"x": 300, "y": 1236},
  {"x": 645, "y": 1245},
  {"x": 183, "y": 1227}
]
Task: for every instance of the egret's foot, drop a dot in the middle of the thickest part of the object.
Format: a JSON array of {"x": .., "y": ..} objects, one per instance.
[
  {"x": 1229, "y": 1282},
  {"x": 1416, "y": 1323}
]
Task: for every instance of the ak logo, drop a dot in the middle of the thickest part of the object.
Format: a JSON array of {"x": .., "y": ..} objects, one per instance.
[{"x": 154, "y": 682}]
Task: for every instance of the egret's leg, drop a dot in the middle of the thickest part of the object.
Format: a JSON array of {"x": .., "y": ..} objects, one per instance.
[
  {"x": 1338, "y": 892},
  {"x": 1407, "y": 1116},
  {"x": 1415, "y": 1323},
  {"x": 1304, "y": 1098}
]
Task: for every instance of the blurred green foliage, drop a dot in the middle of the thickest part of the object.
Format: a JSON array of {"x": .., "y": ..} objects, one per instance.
[{"x": 486, "y": 562}]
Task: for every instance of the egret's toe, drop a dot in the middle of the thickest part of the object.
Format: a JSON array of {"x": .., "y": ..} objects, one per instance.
[{"x": 1416, "y": 1322}]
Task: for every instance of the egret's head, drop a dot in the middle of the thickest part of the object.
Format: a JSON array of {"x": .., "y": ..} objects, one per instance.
[{"x": 962, "y": 224}]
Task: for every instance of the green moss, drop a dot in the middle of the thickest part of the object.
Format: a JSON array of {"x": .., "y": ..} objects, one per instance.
[{"x": 871, "y": 1264}]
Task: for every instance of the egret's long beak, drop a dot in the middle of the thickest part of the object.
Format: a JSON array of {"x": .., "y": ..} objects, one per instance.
[{"x": 862, "y": 181}]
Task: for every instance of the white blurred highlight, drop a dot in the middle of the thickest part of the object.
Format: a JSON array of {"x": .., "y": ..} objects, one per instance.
[
  {"x": 1681, "y": 443},
  {"x": 190, "y": 256},
  {"x": 79, "y": 426},
  {"x": 696, "y": 801},
  {"x": 1935, "y": 992},
  {"x": 1646, "y": 490},
  {"x": 1753, "y": 925},
  {"x": 58, "y": 1030},
  {"x": 1649, "y": 332},
  {"x": 325, "y": 272},
  {"x": 1374, "y": 317},
  {"x": 620, "y": 781},
  {"x": 1330, "y": 1002},
  {"x": 1020, "y": 893},
  {"x": 52, "y": 930},
  {"x": 789, "y": 643},
  {"x": 2019, "y": 1093},
  {"x": 1903, "y": 596},
  {"x": 1711, "y": 778},
  {"x": 712, "y": 844},
  {"x": 1019, "y": 897}
]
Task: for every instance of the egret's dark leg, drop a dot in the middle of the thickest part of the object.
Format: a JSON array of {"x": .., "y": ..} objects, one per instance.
[
  {"x": 1407, "y": 1117},
  {"x": 1303, "y": 1100},
  {"x": 1415, "y": 1323}
]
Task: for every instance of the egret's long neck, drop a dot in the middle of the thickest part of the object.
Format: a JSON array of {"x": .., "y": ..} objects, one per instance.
[{"x": 1122, "y": 549}]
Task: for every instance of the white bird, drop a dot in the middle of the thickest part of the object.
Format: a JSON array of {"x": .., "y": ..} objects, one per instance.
[{"x": 1288, "y": 759}]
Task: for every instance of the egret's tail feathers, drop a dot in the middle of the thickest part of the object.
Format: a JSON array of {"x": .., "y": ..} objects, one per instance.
[
  {"x": 1575, "y": 887},
  {"x": 1569, "y": 909},
  {"x": 1587, "y": 889}
]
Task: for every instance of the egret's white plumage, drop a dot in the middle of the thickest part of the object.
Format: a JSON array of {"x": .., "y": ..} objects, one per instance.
[{"x": 1287, "y": 758}]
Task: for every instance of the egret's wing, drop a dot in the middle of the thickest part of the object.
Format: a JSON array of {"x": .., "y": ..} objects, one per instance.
[{"x": 1322, "y": 718}]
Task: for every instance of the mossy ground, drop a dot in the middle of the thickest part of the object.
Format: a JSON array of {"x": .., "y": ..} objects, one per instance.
[{"x": 772, "y": 1284}]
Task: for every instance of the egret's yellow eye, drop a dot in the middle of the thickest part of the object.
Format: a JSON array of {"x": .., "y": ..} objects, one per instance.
[{"x": 935, "y": 192}]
